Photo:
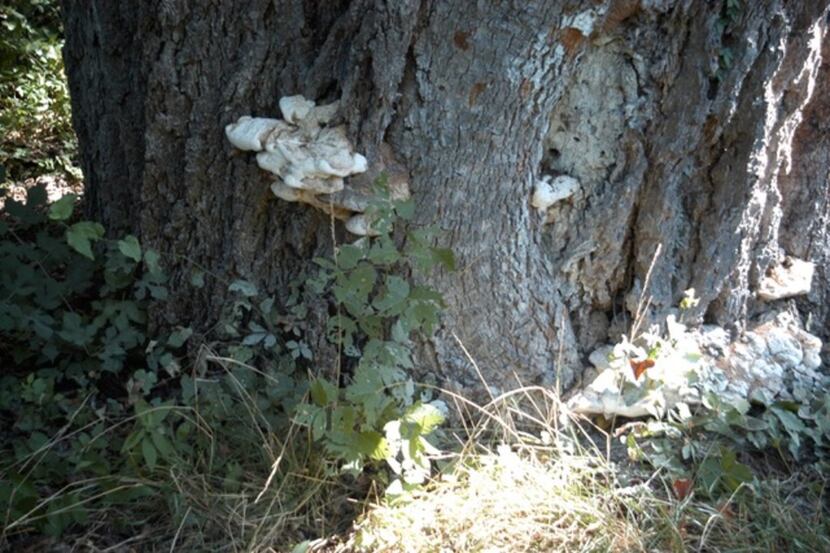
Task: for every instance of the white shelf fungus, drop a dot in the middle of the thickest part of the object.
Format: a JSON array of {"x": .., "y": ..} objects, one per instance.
[
  {"x": 550, "y": 191},
  {"x": 307, "y": 157},
  {"x": 249, "y": 133},
  {"x": 295, "y": 108}
]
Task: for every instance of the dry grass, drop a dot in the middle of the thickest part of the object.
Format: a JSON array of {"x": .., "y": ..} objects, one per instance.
[
  {"x": 520, "y": 481},
  {"x": 548, "y": 488},
  {"x": 507, "y": 502}
]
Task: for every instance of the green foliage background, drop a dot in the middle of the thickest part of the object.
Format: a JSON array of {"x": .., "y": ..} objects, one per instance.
[{"x": 35, "y": 118}]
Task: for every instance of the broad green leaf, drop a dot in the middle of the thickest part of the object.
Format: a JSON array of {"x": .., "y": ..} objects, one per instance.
[
  {"x": 322, "y": 392},
  {"x": 383, "y": 251},
  {"x": 445, "y": 257},
  {"x": 197, "y": 278},
  {"x": 253, "y": 339},
  {"x": 151, "y": 260},
  {"x": 405, "y": 209},
  {"x": 396, "y": 292},
  {"x": 132, "y": 440},
  {"x": 791, "y": 422},
  {"x": 74, "y": 329},
  {"x": 244, "y": 287},
  {"x": 426, "y": 294},
  {"x": 37, "y": 196},
  {"x": 62, "y": 209},
  {"x": 130, "y": 247},
  {"x": 348, "y": 256},
  {"x": 318, "y": 425},
  {"x": 325, "y": 263},
  {"x": 178, "y": 337},
  {"x": 80, "y": 236},
  {"x": 427, "y": 417},
  {"x": 158, "y": 414},
  {"x": 266, "y": 305},
  {"x": 163, "y": 445},
  {"x": 371, "y": 444},
  {"x": 343, "y": 419},
  {"x": 148, "y": 451},
  {"x": 362, "y": 280}
]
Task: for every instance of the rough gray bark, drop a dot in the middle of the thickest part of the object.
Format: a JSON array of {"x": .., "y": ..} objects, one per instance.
[
  {"x": 476, "y": 100},
  {"x": 805, "y": 193}
]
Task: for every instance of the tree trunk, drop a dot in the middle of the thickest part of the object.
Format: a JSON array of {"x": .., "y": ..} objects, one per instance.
[{"x": 676, "y": 117}]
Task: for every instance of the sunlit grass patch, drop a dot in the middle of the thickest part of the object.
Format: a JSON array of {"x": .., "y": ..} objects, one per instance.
[{"x": 559, "y": 492}]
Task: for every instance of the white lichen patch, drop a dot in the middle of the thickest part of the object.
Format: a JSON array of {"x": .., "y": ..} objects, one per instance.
[
  {"x": 794, "y": 277},
  {"x": 776, "y": 358},
  {"x": 619, "y": 391},
  {"x": 549, "y": 191},
  {"x": 308, "y": 157},
  {"x": 583, "y": 21}
]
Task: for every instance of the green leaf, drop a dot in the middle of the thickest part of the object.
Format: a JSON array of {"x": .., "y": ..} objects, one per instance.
[
  {"x": 74, "y": 330},
  {"x": 318, "y": 425},
  {"x": 178, "y": 337},
  {"x": 425, "y": 416},
  {"x": 80, "y": 236},
  {"x": 148, "y": 451},
  {"x": 37, "y": 196},
  {"x": 343, "y": 419},
  {"x": 397, "y": 290},
  {"x": 348, "y": 256},
  {"x": 157, "y": 415},
  {"x": 362, "y": 280},
  {"x": 151, "y": 260},
  {"x": 372, "y": 444},
  {"x": 405, "y": 209},
  {"x": 734, "y": 472},
  {"x": 426, "y": 294},
  {"x": 383, "y": 251},
  {"x": 244, "y": 287},
  {"x": 791, "y": 422},
  {"x": 322, "y": 392},
  {"x": 197, "y": 279},
  {"x": 327, "y": 264},
  {"x": 253, "y": 339},
  {"x": 62, "y": 209},
  {"x": 130, "y": 247},
  {"x": 353, "y": 291},
  {"x": 445, "y": 257},
  {"x": 163, "y": 445},
  {"x": 132, "y": 440}
]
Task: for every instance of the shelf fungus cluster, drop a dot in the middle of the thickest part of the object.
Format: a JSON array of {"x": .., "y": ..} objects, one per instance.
[{"x": 311, "y": 159}]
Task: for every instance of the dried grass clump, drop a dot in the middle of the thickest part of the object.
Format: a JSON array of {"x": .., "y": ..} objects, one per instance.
[
  {"x": 542, "y": 487},
  {"x": 508, "y": 501}
]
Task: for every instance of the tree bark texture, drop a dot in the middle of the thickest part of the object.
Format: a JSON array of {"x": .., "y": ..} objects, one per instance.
[{"x": 687, "y": 126}]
